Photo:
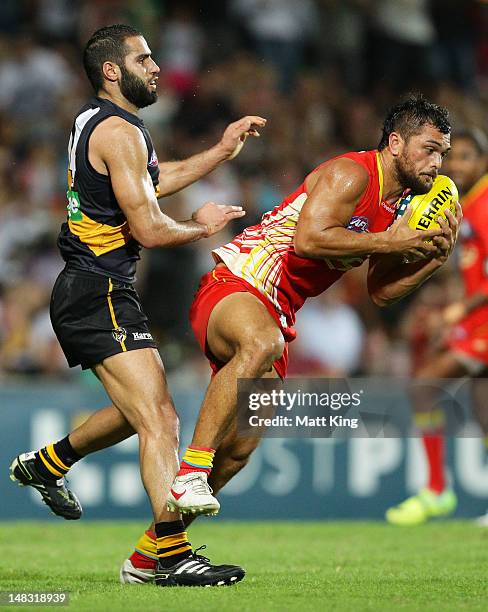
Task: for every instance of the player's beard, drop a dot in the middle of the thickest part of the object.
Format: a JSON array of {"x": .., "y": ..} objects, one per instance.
[
  {"x": 135, "y": 90},
  {"x": 408, "y": 177}
]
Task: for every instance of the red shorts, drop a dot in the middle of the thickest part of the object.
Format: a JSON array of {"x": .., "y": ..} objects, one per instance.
[
  {"x": 216, "y": 285},
  {"x": 470, "y": 336}
]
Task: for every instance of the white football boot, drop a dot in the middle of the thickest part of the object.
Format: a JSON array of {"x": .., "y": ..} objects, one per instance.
[{"x": 191, "y": 494}]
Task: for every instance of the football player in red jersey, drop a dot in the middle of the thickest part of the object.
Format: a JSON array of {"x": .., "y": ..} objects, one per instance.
[
  {"x": 244, "y": 310},
  {"x": 466, "y": 353}
]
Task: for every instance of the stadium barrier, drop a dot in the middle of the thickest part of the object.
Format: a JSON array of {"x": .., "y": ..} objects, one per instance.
[{"x": 287, "y": 478}]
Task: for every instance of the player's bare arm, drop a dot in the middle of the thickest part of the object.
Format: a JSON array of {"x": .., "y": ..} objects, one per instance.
[
  {"x": 176, "y": 175},
  {"x": 390, "y": 278},
  {"x": 334, "y": 191},
  {"x": 118, "y": 149}
]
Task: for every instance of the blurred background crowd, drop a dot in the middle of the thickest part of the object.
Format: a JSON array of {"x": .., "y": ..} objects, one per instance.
[{"x": 323, "y": 72}]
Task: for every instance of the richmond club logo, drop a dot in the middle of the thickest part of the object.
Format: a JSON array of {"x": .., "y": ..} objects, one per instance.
[{"x": 119, "y": 334}]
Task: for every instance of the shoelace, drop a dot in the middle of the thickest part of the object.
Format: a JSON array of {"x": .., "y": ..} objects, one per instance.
[
  {"x": 200, "y": 557},
  {"x": 201, "y": 487}
]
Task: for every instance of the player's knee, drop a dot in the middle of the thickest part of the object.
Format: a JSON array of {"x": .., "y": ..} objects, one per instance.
[
  {"x": 239, "y": 457},
  {"x": 263, "y": 350},
  {"x": 158, "y": 419}
]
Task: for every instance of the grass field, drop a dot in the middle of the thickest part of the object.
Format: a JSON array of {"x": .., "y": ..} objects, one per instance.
[{"x": 290, "y": 566}]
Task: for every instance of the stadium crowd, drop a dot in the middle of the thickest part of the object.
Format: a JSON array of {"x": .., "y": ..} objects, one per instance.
[{"x": 321, "y": 71}]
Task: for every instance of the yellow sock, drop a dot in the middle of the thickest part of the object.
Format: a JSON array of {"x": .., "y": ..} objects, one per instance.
[{"x": 197, "y": 459}]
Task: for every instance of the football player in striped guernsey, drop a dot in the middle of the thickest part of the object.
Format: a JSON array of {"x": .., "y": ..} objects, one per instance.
[{"x": 114, "y": 180}]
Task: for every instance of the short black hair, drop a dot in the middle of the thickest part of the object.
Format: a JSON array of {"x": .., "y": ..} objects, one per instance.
[
  {"x": 476, "y": 136},
  {"x": 409, "y": 116},
  {"x": 106, "y": 45}
]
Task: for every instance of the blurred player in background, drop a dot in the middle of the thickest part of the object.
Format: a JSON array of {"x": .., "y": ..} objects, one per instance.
[
  {"x": 114, "y": 179},
  {"x": 466, "y": 351}
]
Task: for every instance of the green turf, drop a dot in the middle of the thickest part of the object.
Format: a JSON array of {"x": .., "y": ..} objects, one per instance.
[{"x": 290, "y": 566}]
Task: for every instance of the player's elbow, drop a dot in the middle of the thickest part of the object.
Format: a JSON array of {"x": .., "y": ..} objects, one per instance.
[
  {"x": 148, "y": 243},
  {"x": 375, "y": 291},
  {"x": 303, "y": 245},
  {"x": 376, "y": 295},
  {"x": 380, "y": 299},
  {"x": 144, "y": 238}
]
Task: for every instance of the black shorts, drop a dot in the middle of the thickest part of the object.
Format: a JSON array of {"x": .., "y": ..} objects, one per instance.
[{"x": 95, "y": 317}]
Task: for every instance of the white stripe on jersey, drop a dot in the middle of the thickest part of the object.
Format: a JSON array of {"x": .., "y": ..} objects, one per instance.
[
  {"x": 257, "y": 255},
  {"x": 80, "y": 123}
]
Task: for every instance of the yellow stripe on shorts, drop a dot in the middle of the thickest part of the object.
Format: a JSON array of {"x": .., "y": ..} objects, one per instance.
[{"x": 112, "y": 312}]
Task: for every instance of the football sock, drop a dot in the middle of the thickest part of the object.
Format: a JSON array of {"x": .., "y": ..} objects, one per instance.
[
  {"x": 197, "y": 459},
  {"x": 172, "y": 543},
  {"x": 145, "y": 554},
  {"x": 434, "y": 448},
  {"x": 55, "y": 460}
]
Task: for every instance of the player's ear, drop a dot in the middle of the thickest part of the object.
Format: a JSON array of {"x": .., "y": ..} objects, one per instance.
[
  {"x": 395, "y": 143},
  {"x": 111, "y": 71}
]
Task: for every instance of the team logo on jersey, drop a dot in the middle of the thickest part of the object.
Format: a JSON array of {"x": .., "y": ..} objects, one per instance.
[
  {"x": 74, "y": 210},
  {"x": 154, "y": 159},
  {"x": 119, "y": 334},
  {"x": 358, "y": 224}
]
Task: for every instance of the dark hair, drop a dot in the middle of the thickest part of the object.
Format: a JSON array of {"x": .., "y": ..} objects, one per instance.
[
  {"x": 476, "y": 136},
  {"x": 106, "y": 45},
  {"x": 408, "y": 118}
]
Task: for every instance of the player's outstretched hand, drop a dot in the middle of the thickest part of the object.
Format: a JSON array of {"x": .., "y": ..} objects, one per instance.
[
  {"x": 403, "y": 240},
  {"x": 216, "y": 216},
  {"x": 236, "y": 133}
]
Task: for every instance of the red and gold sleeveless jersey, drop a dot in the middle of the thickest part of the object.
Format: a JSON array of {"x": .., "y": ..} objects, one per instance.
[
  {"x": 473, "y": 244},
  {"x": 264, "y": 255}
]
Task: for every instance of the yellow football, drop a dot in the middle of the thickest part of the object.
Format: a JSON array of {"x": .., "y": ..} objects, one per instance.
[{"x": 427, "y": 207}]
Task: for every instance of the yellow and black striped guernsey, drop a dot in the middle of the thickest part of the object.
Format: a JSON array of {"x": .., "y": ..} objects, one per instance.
[{"x": 96, "y": 236}]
